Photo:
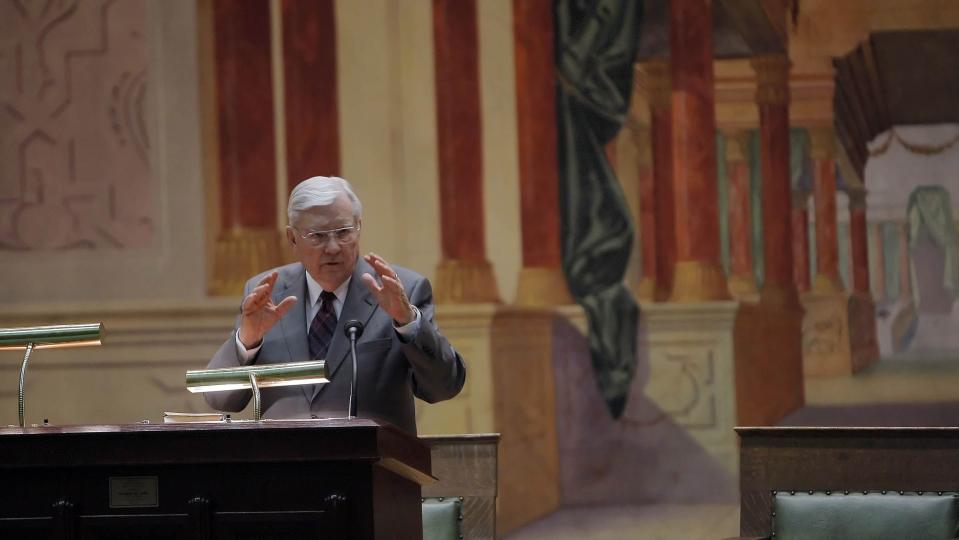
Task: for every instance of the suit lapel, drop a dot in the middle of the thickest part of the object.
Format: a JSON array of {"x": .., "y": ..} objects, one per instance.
[
  {"x": 360, "y": 305},
  {"x": 293, "y": 325}
]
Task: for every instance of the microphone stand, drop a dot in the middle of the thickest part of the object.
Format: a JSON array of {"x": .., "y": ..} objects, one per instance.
[{"x": 354, "y": 329}]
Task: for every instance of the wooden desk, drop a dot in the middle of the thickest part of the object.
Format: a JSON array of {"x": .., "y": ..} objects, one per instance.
[{"x": 264, "y": 480}]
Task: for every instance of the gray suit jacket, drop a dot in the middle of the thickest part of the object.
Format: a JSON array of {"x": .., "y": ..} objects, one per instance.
[{"x": 390, "y": 372}]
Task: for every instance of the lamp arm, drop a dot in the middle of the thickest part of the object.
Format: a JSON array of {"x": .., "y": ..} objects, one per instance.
[
  {"x": 256, "y": 396},
  {"x": 23, "y": 374}
]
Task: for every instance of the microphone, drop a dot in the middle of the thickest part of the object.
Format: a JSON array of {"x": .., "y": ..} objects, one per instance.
[{"x": 353, "y": 330}]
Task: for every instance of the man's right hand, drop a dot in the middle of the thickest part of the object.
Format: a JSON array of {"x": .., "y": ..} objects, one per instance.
[{"x": 259, "y": 313}]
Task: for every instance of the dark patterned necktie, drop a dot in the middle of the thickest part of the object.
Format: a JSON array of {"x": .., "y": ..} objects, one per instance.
[{"x": 322, "y": 327}]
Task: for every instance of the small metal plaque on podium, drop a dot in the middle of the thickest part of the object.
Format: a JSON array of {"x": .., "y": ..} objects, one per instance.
[{"x": 134, "y": 492}]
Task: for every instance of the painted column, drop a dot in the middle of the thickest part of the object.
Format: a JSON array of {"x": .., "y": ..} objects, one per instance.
[
  {"x": 541, "y": 280},
  {"x": 742, "y": 281},
  {"x": 827, "y": 243},
  {"x": 800, "y": 226},
  {"x": 658, "y": 89},
  {"x": 864, "y": 341},
  {"x": 464, "y": 275},
  {"x": 859, "y": 239},
  {"x": 879, "y": 269},
  {"x": 772, "y": 96},
  {"x": 647, "y": 214},
  {"x": 248, "y": 239},
  {"x": 310, "y": 90},
  {"x": 698, "y": 275}
]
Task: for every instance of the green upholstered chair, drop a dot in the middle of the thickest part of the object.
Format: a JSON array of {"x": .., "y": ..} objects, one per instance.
[
  {"x": 892, "y": 515},
  {"x": 442, "y": 518}
]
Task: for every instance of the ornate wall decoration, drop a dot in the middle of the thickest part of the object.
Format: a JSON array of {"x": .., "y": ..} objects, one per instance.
[
  {"x": 683, "y": 384},
  {"x": 74, "y": 144},
  {"x": 824, "y": 332}
]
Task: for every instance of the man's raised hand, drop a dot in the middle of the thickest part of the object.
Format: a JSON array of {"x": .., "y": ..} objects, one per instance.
[
  {"x": 259, "y": 313},
  {"x": 390, "y": 295}
]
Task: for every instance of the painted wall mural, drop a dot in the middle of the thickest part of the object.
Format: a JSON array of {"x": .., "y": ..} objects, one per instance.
[
  {"x": 912, "y": 201},
  {"x": 74, "y": 140}
]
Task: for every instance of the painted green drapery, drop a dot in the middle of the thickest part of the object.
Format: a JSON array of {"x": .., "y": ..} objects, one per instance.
[
  {"x": 595, "y": 47},
  {"x": 930, "y": 209},
  {"x": 889, "y": 233}
]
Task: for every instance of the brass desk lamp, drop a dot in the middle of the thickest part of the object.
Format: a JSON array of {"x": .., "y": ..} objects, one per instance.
[
  {"x": 255, "y": 377},
  {"x": 46, "y": 337}
]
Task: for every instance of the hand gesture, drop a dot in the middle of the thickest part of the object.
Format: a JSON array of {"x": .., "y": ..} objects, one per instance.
[
  {"x": 259, "y": 313},
  {"x": 390, "y": 295}
]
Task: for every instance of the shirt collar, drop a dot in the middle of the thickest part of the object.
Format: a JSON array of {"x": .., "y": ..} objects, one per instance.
[{"x": 315, "y": 289}]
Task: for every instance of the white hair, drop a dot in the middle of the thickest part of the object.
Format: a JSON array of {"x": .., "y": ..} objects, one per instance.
[{"x": 321, "y": 191}]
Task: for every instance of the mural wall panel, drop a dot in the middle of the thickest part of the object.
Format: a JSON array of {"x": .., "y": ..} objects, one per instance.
[{"x": 74, "y": 143}]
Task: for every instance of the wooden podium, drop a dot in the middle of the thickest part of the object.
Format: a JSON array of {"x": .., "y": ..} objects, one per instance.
[{"x": 305, "y": 479}]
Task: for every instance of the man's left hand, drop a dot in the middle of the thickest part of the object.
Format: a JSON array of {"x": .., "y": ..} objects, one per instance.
[{"x": 390, "y": 294}]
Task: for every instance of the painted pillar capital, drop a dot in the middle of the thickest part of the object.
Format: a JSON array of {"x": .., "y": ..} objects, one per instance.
[
  {"x": 823, "y": 142},
  {"x": 772, "y": 79},
  {"x": 641, "y": 135},
  {"x": 737, "y": 145},
  {"x": 857, "y": 198},
  {"x": 656, "y": 78}
]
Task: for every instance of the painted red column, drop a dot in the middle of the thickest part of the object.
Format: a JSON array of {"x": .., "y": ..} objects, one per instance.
[
  {"x": 860, "y": 240},
  {"x": 772, "y": 97},
  {"x": 646, "y": 289},
  {"x": 742, "y": 282},
  {"x": 698, "y": 275},
  {"x": 541, "y": 281},
  {"x": 464, "y": 275},
  {"x": 248, "y": 241},
  {"x": 659, "y": 94},
  {"x": 310, "y": 90},
  {"x": 800, "y": 228},
  {"x": 824, "y": 192}
]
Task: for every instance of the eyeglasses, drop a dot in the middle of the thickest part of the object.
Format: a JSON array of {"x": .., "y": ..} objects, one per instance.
[{"x": 343, "y": 236}]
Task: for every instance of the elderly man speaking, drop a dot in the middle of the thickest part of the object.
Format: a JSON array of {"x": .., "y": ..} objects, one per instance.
[{"x": 296, "y": 313}]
